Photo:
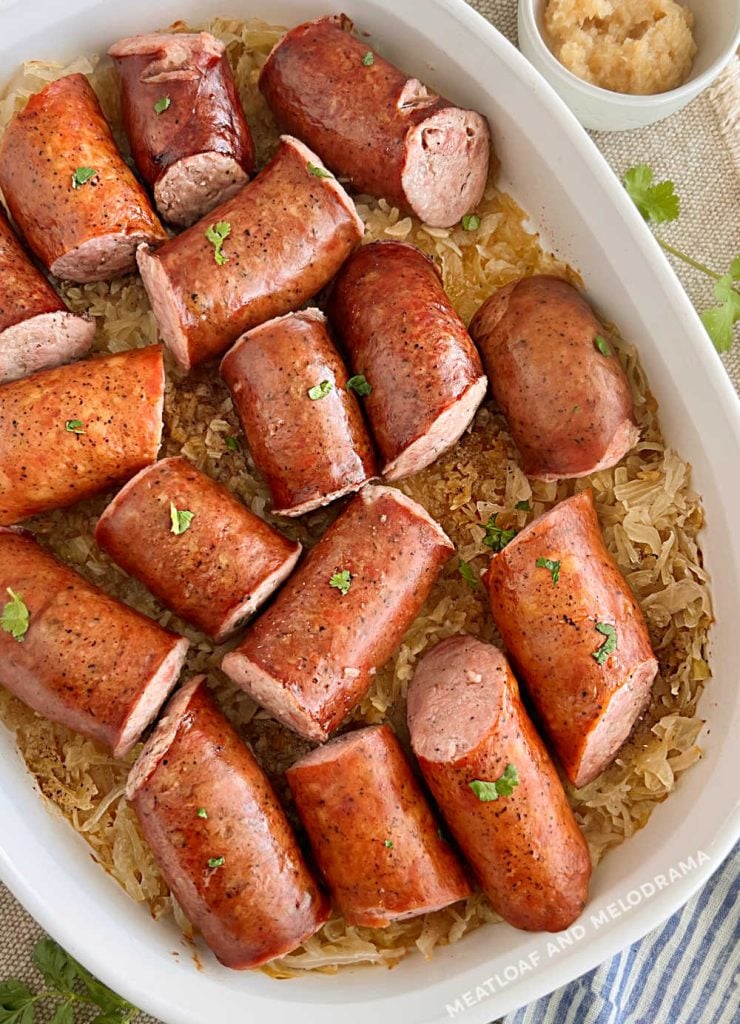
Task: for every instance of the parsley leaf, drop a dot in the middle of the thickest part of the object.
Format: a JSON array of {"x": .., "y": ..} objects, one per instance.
[
  {"x": 341, "y": 581},
  {"x": 360, "y": 384},
  {"x": 232, "y": 443},
  {"x": 369, "y": 59},
  {"x": 320, "y": 390},
  {"x": 202, "y": 812},
  {"x": 15, "y": 616},
  {"x": 388, "y": 844},
  {"x": 75, "y": 426},
  {"x": 497, "y": 537},
  {"x": 503, "y": 786},
  {"x": 319, "y": 172},
  {"x": 82, "y": 175},
  {"x": 162, "y": 104},
  {"x": 468, "y": 575},
  {"x": 552, "y": 567},
  {"x": 471, "y": 222},
  {"x": 216, "y": 862},
  {"x": 523, "y": 506},
  {"x": 657, "y": 203},
  {"x": 602, "y": 345},
  {"x": 58, "y": 970},
  {"x": 719, "y": 320},
  {"x": 217, "y": 235},
  {"x": 181, "y": 519},
  {"x": 609, "y": 645}
]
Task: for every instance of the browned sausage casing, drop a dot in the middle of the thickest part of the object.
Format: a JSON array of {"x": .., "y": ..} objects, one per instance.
[
  {"x": 36, "y": 328},
  {"x": 400, "y": 330},
  {"x": 587, "y": 697},
  {"x": 184, "y": 120},
  {"x": 310, "y": 451},
  {"x": 289, "y": 232},
  {"x": 311, "y": 657},
  {"x": 215, "y": 574},
  {"x": 387, "y": 133},
  {"x": 220, "y": 837},
  {"x": 568, "y": 404},
  {"x": 468, "y": 723},
  {"x": 84, "y": 233},
  {"x": 71, "y": 432},
  {"x": 372, "y": 831},
  {"x": 86, "y": 660}
]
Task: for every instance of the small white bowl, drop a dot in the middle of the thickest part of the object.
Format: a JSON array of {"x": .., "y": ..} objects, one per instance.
[{"x": 717, "y": 34}]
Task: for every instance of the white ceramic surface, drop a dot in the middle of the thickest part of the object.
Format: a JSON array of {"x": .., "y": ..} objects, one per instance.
[
  {"x": 556, "y": 173},
  {"x": 717, "y": 34}
]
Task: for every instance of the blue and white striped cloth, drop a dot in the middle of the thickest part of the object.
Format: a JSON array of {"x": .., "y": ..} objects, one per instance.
[{"x": 686, "y": 972}]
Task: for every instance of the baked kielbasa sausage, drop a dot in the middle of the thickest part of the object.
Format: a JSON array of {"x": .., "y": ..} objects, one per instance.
[
  {"x": 76, "y": 655},
  {"x": 400, "y": 331},
  {"x": 468, "y": 725},
  {"x": 311, "y": 657},
  {"x": 36, "y": 328},
  {"x": 71, "y": 432},
  {"x": 220, "y": 837},
  {"x": 73, "y": 198},
  {"x": 387, "y": 133},
  {"x": 215, "y": 567},
  {"x": 574, "y": 633},
  {"x": 315, "y": 448},
  {"x": 556, "y": 378},
  {"x": 264, "y": 252},
  {"x": 372, "y": 831},
  {"x": 184, "y": 120}
]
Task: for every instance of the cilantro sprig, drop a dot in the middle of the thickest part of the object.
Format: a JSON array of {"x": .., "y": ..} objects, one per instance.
[
  {"x": 69, "y": 987},
  {"x": 502, "y": 786},
  {"x": 658, "y": 203},
  {"x": 15, "y": 619},
  {"x": 217, "y": 235},
  {"x": 497, "y": 537}
]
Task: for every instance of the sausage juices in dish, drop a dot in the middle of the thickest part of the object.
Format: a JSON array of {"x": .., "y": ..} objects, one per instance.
[
  {"x": 36, "y": 328},
  {"x": 220, "y": 837},
  {"x": 264, "y": 252},
  {"x": 496, "y": 786},
  {"x": 387, "y": 133},
  {"x": 400, "y": 331},
  {"x": 197, "y": 548},
  {"x": 72, "y": 196},
  {"x": 184, "y": 120},
  {"x": 71, "y": 432},
  {"x": 76, "y": 655},
  {"x": 303, "y": 424},
  {"x": 575, "y": 635},
  {"x": 555, "y": 378},
  {"x": 311, "y": 657},
  {"x": 372, "y": 831}
]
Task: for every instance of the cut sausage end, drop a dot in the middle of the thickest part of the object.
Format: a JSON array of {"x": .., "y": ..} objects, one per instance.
[
  {"x": 322, "y": 499},
  {"x": 243, "y": 611},
  {"x": 102, "y": 258},
  {"x": 444, "y": 432},
  {"x": 151, "y": 700},
  {"x": 42, "y": 342},
  {"x": 178, "y": 46},
  {"x": 329, "y": 182},
  {"x": 164, "y": 305},
  {"x": 446, "y": 165},
  {"x": 376, "y": 491},
  {"x": 190, "y": 188},
  {"x": 162, "y": 738}
]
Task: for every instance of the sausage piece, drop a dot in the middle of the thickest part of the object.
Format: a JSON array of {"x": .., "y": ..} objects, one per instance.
[
  {"x": 575, "y": 635},
  {"x": 72, "y": 432},
  {"x": 372, "y": 832},
  {"x": 72, "y": 196},
  {"x": 304, "y": 427},
  {"x": 36, "y": 328},
  {"x": 468, "y": 724},
  {"x": 86, "y": 660},
  {"x": 399, "y": 329},
  {"x": 311, "y": 657},
  {"x": 287, "y": 234},
  {"x": 556, "y": 379},
  {"x": 214, "y": 574},
  {"x": 184, "y": 120},
  {"x": 387, "y": 133},
  {"x": 220, "y": 837}
]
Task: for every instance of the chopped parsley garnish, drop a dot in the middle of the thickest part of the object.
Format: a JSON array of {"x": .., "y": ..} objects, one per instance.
[
  {"x": 503, "y": 786},
  {"x": 471, "y": 222},
  {"x": 360, "y": 384},
  {"x": 319, "y": 172},
  {"x": 609, "y": 645},
  {"x": 82, "y": 175},
  {"x": 602, "y": 345},
  {"x": 232, "y": 443},
  {"x": 162, "y": 104},
  {"x": 15, "y": 617},
  {"x": 467, "y": 574},
  {"x": 497, "y": 537},
  {"x": 216, "y": 862},
  {"x": 75, "y": 426},
  {"x": 320, "y": 390},
  {"x": 181, "y": 519},
  {"x": 341, "y": 581},
  {"x": 202, "y": 812},
  {"x": 388, "y": 844},
  {"x": 523, "y": 506},
  {"x": 217, "y": 235},
  {"x": 369, "y": 59},
  {"x": 552, "y": 567}
]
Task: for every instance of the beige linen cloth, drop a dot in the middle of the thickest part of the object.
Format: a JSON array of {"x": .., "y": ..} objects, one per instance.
[{"x": 699, "y": 149}]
